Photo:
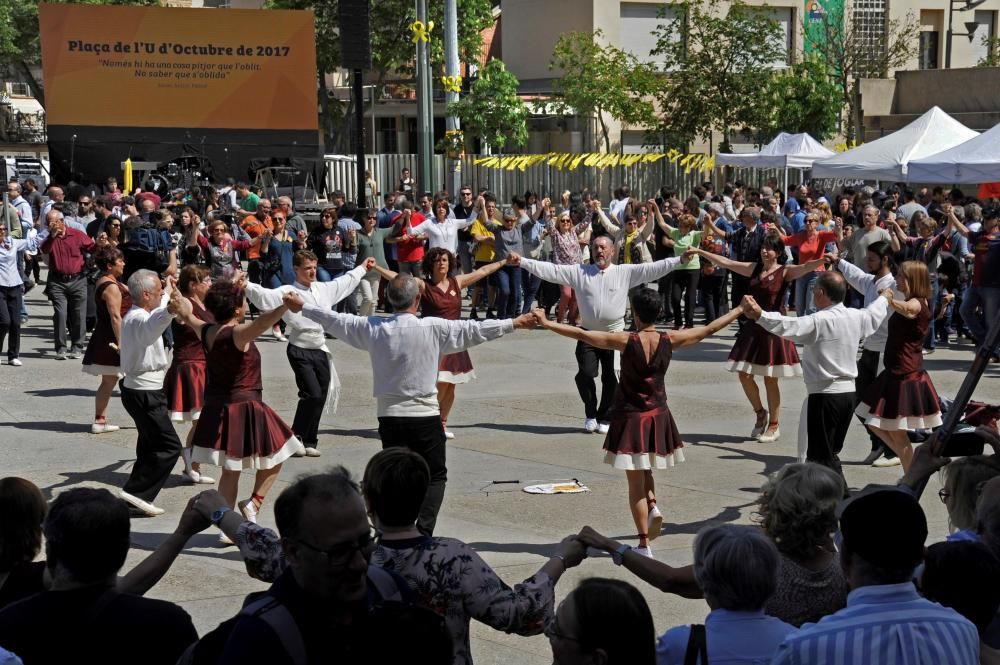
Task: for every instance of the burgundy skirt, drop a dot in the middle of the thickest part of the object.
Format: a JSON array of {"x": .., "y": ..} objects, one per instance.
[
  {"x": 101, "y": 358},
  {"x": 758, "y": 352},
  {"x": 456, "y": 368},
  {"x": 242, "y": 433},
  {"x": 901, "y": 402},
  {"x": 185, "y": 386},
  {"x": 639, "y": 441}
]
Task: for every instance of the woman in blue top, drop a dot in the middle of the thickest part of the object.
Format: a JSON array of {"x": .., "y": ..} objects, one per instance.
[
  {"x": 277, "y": 249},
  {"x": 12, "y": 288}
]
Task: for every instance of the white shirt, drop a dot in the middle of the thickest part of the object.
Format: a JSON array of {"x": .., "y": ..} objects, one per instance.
[
  {"x": 830, "y": 342},
  {"x": 867, "y": 284},
  {"x": 23, "y": 209},
  {"x": 144, "y": 359},
  {"x": 444, "y": 234},
  {"x": 405, "y": 352},
  {"x": 302, "y": 332},
  {"x": 601, "y": 295}
]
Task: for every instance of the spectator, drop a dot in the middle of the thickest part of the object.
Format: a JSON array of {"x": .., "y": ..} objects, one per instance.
[
  {"x": 67, "y": 287},
  {"x": 23, "y": 508},
  {"x": 964, "y": 576},
  {"x": 963, "y": 481},
  {"x": 602, "y": 621},
  {"x": 737, "y": 568},
  {"x": 884, "y": 617},
  {"x": 87, "y": 539}
]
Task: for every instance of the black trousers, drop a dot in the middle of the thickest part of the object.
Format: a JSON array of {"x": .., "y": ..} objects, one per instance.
[
  {"x": 588, "y": 358},
  {"x": 157, "y": 447},
  {"x": 10, "y": 319},
  {"x": 312, "y": 377},
  {"x": 828, "y": 417},
  {"x": 713, "y": 289},
  {"x": 69, "y": 305},
  {"x": 665, "y": 287},
  {"x": 686, "y": 282},
  {"x": 867, "y": 373},
  {"x": 424, "y": 436}
]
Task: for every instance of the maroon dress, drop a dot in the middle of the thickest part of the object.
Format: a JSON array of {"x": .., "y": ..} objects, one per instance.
[
  {"x": 185, "y": 381},
  {"x": 236, "y": 429},
  {"x": 642, "y": 433},
  {"x": 903, "y": 397},
  {"x": 454, "y": 367},
  {"x": 757, "y": 351},
  {"x": 101, "y": 358}
]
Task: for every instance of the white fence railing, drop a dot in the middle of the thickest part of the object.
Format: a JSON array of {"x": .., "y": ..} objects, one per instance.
[{"x": 644, "y": 179}]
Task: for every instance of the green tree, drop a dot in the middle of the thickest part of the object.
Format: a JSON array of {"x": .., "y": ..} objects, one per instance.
[
  {"x": 992, "y": 57},
  {"x": 842, "y": 40},
  {"x": 393, "y": 51},
  {"x": 714, "y": 62},
  {"x": 492, "y": 109},
  {"x": 602, "y": 81},
  {"x": 19, "y": 44},
  {"x": 796, "y": 100}
]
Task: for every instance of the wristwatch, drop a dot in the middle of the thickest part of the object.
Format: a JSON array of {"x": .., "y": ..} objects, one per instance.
[
  {"x": 618, "y": 555},
  {"x": 219, "y": 514}
]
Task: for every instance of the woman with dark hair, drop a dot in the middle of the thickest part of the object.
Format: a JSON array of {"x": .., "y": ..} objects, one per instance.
[
  {"x": 12, "y": 287},
  {"x": 441, "y": 296},
  {"x": 219, "y": 250},
  {"x": 642, "y": 433},
  {"x": 23, "y": 508},
  {"x": 756, "y": 351},
  {"x": 329, "y": 242},
  {"x": 236, "y": 429},
  {"x": 903, "y": 397},
  {"x": 603, "y": 621},
  {"x": 101, "y": 358},
  {"x": 185, "y": 382},
  {"x": 797, "y": 509},
  {"x": 112, "y": 230}
]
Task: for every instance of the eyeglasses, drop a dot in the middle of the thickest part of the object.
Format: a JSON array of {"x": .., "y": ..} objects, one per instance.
[
  {"x": 278, "y": 219},
  {"x": 552, "y": 631},
  {"x": 943, "y": 494},
  {"x": 85, "y": 203},
  {"x": 342, "y": 553},
  {"x": 466, "y": 193},
  {"x": 326, "y": 214},
  {"x": 371, "y": 217},
  {"x": 115, "y": 226}
]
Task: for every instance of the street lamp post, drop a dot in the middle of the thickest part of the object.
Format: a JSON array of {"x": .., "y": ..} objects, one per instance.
[{"x": 970, "y": 26}]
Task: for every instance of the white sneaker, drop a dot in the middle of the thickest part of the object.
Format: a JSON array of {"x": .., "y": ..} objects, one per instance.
[
  {"x": 103, "y": 428},
  {"x": 225, "y": 541},
  {"x": 768, "y": 436},
  {"x": 143, "y": 506},
  {"x": 449, "y": 435},
  {"x": 248, "y": 509},
  {"x": 644, "y": 551},
  {"x": 654, "y": 524},
  {"x": 278, "y": 335},
  {"x": 602, "y": 428},
  {"x": 886, "y": 461},
  {"x": 16, "y": 362},
  {"x": 590, "y": 425},
  {"x": 313, "y": 452}
]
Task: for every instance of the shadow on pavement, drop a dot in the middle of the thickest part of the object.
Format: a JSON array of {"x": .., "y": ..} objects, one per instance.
[
  {"x": 541, "y": 549},
  {"x": 519, "y": 427},
  {"x": 51, "y": 426},
  {"x": 360, "y": 433},
  {"x": 64, "y": 392},
  {"x": 771, "y": 463},
  {"x": 108, "y": 474},
  {"x": 714, "y": 438}
]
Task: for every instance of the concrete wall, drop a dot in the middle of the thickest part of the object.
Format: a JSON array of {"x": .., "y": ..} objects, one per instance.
[
  {"x": 973, "y": 90},
  {"x": 531, "y": 28}
]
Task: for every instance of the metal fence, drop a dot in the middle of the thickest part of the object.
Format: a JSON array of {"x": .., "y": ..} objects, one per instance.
[{"x": 644, "y": 179}]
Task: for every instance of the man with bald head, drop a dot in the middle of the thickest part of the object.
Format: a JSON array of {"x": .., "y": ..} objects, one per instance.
[
  {"x": 602, "y": 290},
  {"x": 67, "y": 288},
  {"x": 830, "y": 338}
]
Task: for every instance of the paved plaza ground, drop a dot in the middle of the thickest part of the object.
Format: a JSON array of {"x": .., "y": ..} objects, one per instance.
[{"x": 520, "y": 420}]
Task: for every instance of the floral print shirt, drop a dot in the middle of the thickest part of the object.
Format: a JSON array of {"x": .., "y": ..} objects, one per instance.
[
  {"x": 566, "y": 246},
  {"x": 446, "y": 575}
]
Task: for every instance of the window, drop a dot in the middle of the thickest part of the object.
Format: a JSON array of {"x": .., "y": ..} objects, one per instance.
[
  {"x": 985, "y": 30},
  {"x": 386, "y": 135},
  {"x": 869, "y": 37},
  {"x": 785, "y": 18},
  {"x": 639, "y": 21},
  {"x": 929, "y": 49}
]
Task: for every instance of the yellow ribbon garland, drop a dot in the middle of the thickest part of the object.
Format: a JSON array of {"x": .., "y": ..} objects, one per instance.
[
  {"x": 563, "y": 160},
  {"x": 452, "y": 83},
  {"x": 421, "y": 33}
]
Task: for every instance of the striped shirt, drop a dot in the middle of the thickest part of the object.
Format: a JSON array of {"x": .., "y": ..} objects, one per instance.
[{"x": 882, "y": 625}]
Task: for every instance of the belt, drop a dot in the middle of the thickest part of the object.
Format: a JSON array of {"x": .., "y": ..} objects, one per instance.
[{"x": 65, "y": 277}]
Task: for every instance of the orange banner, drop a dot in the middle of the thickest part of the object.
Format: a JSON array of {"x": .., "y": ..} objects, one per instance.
[{"x": 173, "y": 67}]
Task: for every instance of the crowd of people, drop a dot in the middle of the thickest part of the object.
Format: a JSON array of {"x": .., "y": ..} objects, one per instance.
[{"x": 165, "y": 299}]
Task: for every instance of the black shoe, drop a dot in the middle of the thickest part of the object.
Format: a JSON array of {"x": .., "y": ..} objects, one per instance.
[
  {"x": 490, "y": 314},
  {"x": 473, "y": 315},
  {"x": 872, "y": 456}
]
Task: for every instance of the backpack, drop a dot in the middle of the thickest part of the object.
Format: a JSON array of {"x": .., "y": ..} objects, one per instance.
[
  {"x": 384, "y": 587},
  {"x": 147, "y": 248}
]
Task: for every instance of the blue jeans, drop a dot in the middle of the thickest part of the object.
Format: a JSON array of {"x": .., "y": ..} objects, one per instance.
[
  {"x": 324, "y": 275},
  {"x": 978, "y": 323},
  {"x": 529, "y": 287},
  {"x": 508, "y": 292},
  {"x": 803, "y": 294}
]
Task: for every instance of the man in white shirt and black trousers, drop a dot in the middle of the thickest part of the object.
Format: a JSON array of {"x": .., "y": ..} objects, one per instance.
[
  {"x": 405, "y": 352},
  {"x": 602, "y": 290},
  {"x": 145, "y": 362},
  {"x": 830, "y": 339}
]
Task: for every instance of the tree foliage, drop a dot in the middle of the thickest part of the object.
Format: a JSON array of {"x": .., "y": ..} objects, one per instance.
[
  {"x": 992, "y": 57},
  {"x": 492, "y": 109},
  {"x": 714, "y": 63},
  {"x": 602, "y": 80},
  {"x": 841, "y": 41},
  {"x": 796, "y": 100}
]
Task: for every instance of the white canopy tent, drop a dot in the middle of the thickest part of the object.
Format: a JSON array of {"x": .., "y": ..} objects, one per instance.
[
  {"x": 888, "y": 158},
  {"x": 786, "y": 151},
  {"x": 975, "y": 161}
]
